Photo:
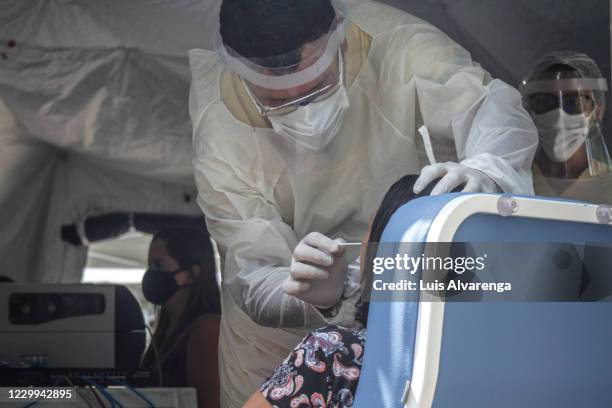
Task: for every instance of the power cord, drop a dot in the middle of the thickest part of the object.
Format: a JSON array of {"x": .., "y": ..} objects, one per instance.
[
  {"x": 71, "y": 384},
  {"x": 95, "y": 394},
  {"x": 102, "y": 391},
  {"x": 158, "y": 360},
  {"x": 139, "y": 394}
]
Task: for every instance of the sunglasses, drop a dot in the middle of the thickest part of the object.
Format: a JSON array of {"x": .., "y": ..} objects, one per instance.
[
  {"x": 572, "y": 104},
  {"x": 318, "y": 95}
]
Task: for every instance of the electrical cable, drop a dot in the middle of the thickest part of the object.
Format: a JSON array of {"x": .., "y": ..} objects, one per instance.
[
  {"x": 139, "y": 394},
  {"x": 104, "y": 393},
  {"x": 83, "y": 398},
  {"x": 158, "y": 360},
  {"x": 135, "y": 391},
  {"x": 71, "y": 384},
  {"x": 95, "y": 394}
]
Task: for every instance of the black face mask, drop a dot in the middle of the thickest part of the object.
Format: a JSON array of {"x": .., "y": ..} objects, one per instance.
[{"x": 158, "y": 286}]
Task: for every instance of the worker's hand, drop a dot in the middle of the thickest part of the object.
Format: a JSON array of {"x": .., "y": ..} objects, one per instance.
[
  {"x": 454, "y": 175},
  {"x": 318, "y": 271}
]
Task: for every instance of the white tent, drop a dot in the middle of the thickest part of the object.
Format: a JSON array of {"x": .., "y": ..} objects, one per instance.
[{"x": 93, "y": 104}]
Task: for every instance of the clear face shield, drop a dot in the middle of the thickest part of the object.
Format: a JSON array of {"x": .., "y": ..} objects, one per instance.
[
  {"x": 270, "y": 103},
  {"x": 301, "y": 92},
  {"x": 567, "y": 113}
]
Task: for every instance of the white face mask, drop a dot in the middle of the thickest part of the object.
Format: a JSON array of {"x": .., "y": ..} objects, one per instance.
[
  {"x": 562, "y": 134},
  {"x": 315, "y": 125}
]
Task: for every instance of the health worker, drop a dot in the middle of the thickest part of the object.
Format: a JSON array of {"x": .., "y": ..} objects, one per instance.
[
  {"x": 303, "y": 117},
  {"x": 566, "y": 95}
]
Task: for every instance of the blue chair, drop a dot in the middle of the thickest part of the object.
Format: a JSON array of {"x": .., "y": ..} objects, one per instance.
[{"x": 490, "y": 354}]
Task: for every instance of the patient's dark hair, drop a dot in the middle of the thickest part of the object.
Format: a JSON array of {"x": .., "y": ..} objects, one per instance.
[
  {"x": 399, "y": 194},
  {"x": 270, "y": 28}
]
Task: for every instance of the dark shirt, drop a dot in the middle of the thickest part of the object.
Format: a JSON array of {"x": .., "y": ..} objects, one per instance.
[{"x": 173, "y": 367}]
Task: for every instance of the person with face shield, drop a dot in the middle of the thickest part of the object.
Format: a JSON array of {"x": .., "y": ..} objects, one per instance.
[
  {"x": 181, "y": 279},
  {"x": 303, "y": 117},
  {"x": 566, "y": 93}
]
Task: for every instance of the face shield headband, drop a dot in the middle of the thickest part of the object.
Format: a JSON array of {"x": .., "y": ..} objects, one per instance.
[{"x": 564, "y": 85}]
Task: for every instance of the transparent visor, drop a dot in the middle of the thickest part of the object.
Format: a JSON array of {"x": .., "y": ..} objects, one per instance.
[
  {"x": 572, "y": 95},
  {"x": 266, "y": 72},
  {"x": 277, "y": 103},
  {"x": 571, "y": 156},
  {"x": 598, "y": 156},
  {"x": 573, "y": 102}
]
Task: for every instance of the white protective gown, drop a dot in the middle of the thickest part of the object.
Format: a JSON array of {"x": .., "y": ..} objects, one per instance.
[{"x": 261, "y": 194}]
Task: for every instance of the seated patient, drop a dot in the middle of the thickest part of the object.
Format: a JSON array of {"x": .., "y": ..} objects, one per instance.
[
  {"x": 324, "y": 369},
  {"x": 181, "y": 279}
]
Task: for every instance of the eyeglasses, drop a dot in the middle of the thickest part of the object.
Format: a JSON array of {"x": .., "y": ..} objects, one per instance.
[
  {"x": 572, "y": 104},
  {"x": 289, "y": 107}
]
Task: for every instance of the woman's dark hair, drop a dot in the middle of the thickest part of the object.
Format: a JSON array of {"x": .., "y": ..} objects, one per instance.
[
  {"x": 259, "y": 29},
  {"x": 189, "y": 247},
  {"x": 399, "y": 194}
]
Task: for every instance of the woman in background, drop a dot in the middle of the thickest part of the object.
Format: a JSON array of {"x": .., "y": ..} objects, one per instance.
[{"x": 182, "y": 280}]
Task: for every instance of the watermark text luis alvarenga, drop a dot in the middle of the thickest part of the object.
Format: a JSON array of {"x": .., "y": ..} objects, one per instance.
[{"x": 411, "y": 265}]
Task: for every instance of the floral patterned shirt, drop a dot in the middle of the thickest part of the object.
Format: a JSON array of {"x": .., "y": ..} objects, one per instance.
[{"x": 321, "y": 372}]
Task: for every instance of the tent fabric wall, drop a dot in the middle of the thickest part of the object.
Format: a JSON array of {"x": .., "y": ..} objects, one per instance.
[
  {"x": 26, "y": 173},
  {"x": 93, "y": 103},
  {"x": 94, "y": 120},
  {"x": 45, "y": 187},
  {"x": 158, "y": 27}
]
